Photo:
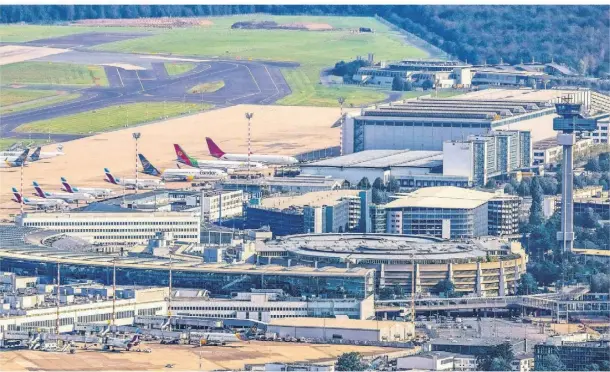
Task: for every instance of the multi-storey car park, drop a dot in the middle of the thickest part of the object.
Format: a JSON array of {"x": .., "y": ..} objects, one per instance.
[{"x": 486, "y": 266}]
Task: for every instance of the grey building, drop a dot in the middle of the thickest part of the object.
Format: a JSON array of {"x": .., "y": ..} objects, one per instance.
[
  {"x": 315, "y": 212},
  {"x": 378, "y": 219}
]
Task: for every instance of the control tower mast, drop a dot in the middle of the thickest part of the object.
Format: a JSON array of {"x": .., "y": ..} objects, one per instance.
[{"x": 571, "y": 120}]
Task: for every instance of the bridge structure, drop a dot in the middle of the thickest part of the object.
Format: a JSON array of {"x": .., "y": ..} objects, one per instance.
[{"x": 573, "y": 301}]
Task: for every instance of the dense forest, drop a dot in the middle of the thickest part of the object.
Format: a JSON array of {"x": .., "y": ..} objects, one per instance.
[{"x": 575, "y": 35}]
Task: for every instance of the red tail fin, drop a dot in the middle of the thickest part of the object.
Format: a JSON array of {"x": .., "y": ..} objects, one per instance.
[
  {"x": 182, "y": 156},
  {"x": 215, "y": 151}
]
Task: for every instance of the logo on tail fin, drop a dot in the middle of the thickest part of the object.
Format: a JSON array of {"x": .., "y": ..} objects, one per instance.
[
  {"x": 17, "y": 194},
  {"x": 109, "y": 177},
  {"x": 215, "y": 151},
  {"x": 148, "y": 167},
  {"x": 36, "y": 154},
  {"x": 21, "y": 159},
  {"x": 38, "y": 189},
  {"x": 67, "y": 186},
  {"x": 183, "y": 157}
]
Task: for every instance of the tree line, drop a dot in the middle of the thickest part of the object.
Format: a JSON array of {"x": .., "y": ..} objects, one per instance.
[{"x": 576, "y": 35}]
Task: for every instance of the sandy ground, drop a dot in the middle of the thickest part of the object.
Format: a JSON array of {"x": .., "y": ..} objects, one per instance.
[
  {"x": 183, "y": 357},
  {"x": 275, "y": 129},
  {"x": 147, "y": 22},
  {"x": 124, "y": 66},
  {"x": 15, "y": 53}
]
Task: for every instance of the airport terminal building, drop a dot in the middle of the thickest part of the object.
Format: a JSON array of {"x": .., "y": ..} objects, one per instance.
[{"x": 486, "y": 266}]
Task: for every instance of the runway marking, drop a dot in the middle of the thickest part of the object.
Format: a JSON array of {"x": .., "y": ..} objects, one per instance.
[
  {"x": 120, "y": 78},
  {"x": 140, "y": 80},
  {"x": 253, "y": 78},
  {"x": 274, "y": 84}
]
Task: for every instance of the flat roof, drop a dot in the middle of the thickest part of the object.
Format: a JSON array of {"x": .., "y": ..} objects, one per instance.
[
  {"x": 313, "y": 199},
  {"x": 448, "y": 197},
  {"x": 383, "y": 159},
  {"x": 336, "y": 323},
  {"x": 96, "y": 215}
]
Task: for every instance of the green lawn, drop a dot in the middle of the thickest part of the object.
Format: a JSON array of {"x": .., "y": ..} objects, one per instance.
[
  {"x": 54, "y": 99},
  {"x": 10, "y": 96},
  {"x": 21, "y": 33},
  {"x": 207, "y": 87},
  {"x": 5, "y": 143},
  {"x": 112, "y": 117},
  {"x": 53, "y": 73},
  {"x": 175, "y": 68},
  {"x": 314, "y": 50}
]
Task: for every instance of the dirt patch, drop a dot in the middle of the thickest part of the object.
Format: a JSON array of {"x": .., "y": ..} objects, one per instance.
[
  {"x": 15, "y": 53},
  {"x": 164, "y": 22},
  {"x": 271, "y": 25}
]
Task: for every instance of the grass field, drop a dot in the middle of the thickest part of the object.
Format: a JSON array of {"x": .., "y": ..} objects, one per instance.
[
  {"x": 112, "y": 117},
  {"x": 53, "y": 74},
  {"x": 21, "y": 33},
  {"x": 314, "y": 50},
  {"x": 5, "y": 143},
  {"x": 9, "y": 96},
  {"x": 207, "y": 87},
  {"x": 58, "y": 97},
  {"x": 174, "y": 68}
]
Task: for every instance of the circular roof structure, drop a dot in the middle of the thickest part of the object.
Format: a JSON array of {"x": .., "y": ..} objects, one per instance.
[{"x": 387, "y": 247}]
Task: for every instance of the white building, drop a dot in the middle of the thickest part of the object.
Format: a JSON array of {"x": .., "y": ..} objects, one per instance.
[
  {"x": 547, "y": 151},
  {"x": 301, "y": 367},
  {"x": 116, "y": 228},
  {"x": 219, "y": 205},
  {"x": 438, "y": 361},
  {"x": 523, "y": 363},
  {"x": 342, "y": 329},
  {"x": 144, "y": 301},
  {"x": 10, "y": 282},
  {"x": 265, "y": 306}
]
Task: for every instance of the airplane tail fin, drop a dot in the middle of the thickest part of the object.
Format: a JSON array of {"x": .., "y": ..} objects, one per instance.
[
  {"x": 109, "y": 177},
  {"x": 148, "y": 167},
  {"x": 67, "y": 185},
  {"x": 36, "y": 154},
  {"x": 215, "y": 151},
  {"x": 17, "y": 194},
  {"x": 21, "y": 159},
  {"x": 39, "y": 190},
  {"x": 183, "y": 157}
]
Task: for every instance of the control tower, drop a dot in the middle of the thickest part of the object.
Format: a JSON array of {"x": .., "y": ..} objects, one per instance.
[{"x": 571, "y": 121}]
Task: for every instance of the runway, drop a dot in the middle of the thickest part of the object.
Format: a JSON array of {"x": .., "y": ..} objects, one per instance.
[{"x": 143, "y": 78}]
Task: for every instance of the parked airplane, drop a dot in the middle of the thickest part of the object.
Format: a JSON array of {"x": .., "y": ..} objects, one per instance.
[
  {"x": 15, "y": 161},
  {"x": 40, "y": 203},
  {"x": 181, "y": 174},
  {"x": 146, "y": 183},
  {"x": 216, "y": 152},
  {"x": 113, "y": 343},
  {"x": 68, "y": 197},
  {"x": 218, "y": 338},
  {"x": 37, "y": 154},
  {"x": 97, "y": 192},
  {"x": 183, "y": 158}
]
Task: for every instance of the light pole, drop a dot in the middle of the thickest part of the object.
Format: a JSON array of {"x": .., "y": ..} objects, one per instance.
[
  {"x": 341, "y": 101},
  {"x": 21, "y": 190},
  {"x": 249, "y": 116},
  {"x": 114, "y": 292},
  {"x": 136, "y": 136}
]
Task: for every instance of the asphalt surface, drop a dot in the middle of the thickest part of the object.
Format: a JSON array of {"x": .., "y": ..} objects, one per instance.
[{"x": 246, "y": 82}]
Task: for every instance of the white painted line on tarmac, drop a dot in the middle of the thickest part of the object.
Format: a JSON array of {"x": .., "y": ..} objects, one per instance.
[{"x": 120, "y": 78}]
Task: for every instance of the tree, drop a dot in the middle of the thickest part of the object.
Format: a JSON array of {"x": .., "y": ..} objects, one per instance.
[
  {"x": 491, "y": 184},
  {"x": 407, "y": 86},
  {"x": 497, "y": 359},
  {"x": 364, "y": 184},
  {"x": 499, "y": 364},
  {"x": 386, "y": 293},
  {"x": 546, "y": 272},
  {"x": 378, "y": 184},
  {"x": 445, "y": 287},
  {"x": 427, "y": 84},
  {"x": 600, "y": 283},
  {"x": 509, "y": 189},
  {"x": 398, "y": 84},
  {"x": 393, "y": 185},
  {"x": 523, "y": 189},
  {"x": 550, "y": 363},
  {"x": 593, "y": 165},
  {"x": 350, "y": 362},
  {"x": 527, "y": 285}
]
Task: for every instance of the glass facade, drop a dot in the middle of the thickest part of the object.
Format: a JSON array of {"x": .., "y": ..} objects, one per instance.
[
  {"x": 574, "y": 357},
  {"x": 219, "y": 284},
  {"x": 465, "y": 223}
]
